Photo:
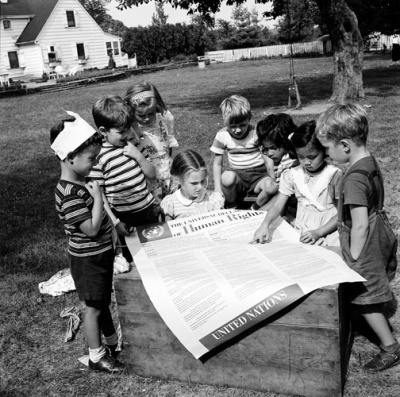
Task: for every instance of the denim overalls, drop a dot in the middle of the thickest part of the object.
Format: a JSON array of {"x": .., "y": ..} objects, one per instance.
[{"x": 377, "y": 262}]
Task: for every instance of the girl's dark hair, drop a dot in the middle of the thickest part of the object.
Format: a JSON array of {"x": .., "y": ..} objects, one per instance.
[
  {"x": 185, "y": 162},
  {"x": 95, "y": 139},
  {"x": 305, "y": 135},
  {"x": 277, "y": 128}
]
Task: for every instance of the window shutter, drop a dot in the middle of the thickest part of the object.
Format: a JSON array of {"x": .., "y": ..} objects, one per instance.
[
  {"x": 58, "y": 52},
  {"x": 76, "y": 15},
  {"x": 65, "y": 18},
  {"x": 45, "y": 55},
  {"x": 74, "y": 51},
  {"x": 21, "y": 58},
  {"x": 86, "y": 44},
  {"x": 6, "y": 61}
]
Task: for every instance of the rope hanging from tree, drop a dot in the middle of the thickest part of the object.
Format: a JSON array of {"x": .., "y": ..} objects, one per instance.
[{"x": 294, "y": 93}]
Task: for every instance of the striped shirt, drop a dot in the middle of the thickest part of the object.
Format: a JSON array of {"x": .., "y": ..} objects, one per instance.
[
  {"x": 122, "y": 179},
  {"x": 242, "y": 153},
  {"x": 74, "y": 205}
]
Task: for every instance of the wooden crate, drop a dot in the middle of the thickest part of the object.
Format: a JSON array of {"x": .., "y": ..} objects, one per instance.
[{"x": 303, "y": 350}]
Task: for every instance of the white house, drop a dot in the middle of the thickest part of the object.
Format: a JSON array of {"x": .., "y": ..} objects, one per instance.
[{"x": 37, "y": 35}]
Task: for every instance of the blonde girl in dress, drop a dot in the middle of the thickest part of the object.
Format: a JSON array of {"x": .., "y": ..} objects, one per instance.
[
  {"x": 154, "y": 131},
  {"x": 315, "y": 183},
  {"x": 192, "y": 197}
]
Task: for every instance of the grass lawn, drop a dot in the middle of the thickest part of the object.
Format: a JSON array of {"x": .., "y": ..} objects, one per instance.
[{"x": 34, "y": 360}]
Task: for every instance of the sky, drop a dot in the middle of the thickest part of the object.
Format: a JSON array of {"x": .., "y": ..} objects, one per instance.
[{"x": 141, "y": 15}]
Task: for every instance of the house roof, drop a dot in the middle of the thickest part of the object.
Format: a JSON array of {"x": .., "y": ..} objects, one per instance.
[
  {"x": 18, "y": 8},
  {"x": 41, "y": 9}
]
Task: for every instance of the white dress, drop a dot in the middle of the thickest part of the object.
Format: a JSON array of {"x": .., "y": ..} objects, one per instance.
[
  {"x": 157, "y": 139},
  {"x": 176, "y": 205},
  {"x": 316, "y": 198}
]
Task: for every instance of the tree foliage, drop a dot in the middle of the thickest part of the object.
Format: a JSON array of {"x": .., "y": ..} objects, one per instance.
[
  {"x": 373, "y": 15},
  {"x": 96, "y": 9},
  {"x": 298, "y": 22},
  {"x": 159, "y": 18},
  {"x": 154, "y": 43}
]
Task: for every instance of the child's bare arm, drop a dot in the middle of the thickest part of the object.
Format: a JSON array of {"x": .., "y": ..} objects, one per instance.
[
  {"x": 269, "y": 164},
  {"x": 91, "y": 226},
  {"x": 147, "y": 167},
  {"x": 217, "y": 172},
  {"x": 262, "y": 235},
  {"x": 120, "y": 227},
  {"x": 359, "y": 229},
  {"x": 311, "y": 236}
]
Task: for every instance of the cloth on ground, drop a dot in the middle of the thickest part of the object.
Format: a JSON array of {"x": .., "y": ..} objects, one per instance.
[
  {"x": 62, "y": 281},
  {"x": 74, "y": 322}
]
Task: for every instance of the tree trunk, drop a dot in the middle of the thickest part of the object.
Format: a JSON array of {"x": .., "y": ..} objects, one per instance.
[{"x": 347, "y": 47}]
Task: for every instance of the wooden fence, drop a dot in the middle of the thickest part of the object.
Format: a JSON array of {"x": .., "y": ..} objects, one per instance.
[
  {"x": 283, "y": 50},
  {"x": 378, "y": 41}
]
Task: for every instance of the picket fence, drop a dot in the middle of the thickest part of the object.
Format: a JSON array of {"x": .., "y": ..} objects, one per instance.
[
  {"x": 377, "y": 42},
  {"x": 283, "y": 50}
]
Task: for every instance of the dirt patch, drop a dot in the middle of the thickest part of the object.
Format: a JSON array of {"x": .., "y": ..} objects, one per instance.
[{"x": 314, "y": 107}]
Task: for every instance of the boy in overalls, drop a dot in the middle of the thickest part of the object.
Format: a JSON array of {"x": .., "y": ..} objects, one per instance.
[{"x": 368, "y": 243}]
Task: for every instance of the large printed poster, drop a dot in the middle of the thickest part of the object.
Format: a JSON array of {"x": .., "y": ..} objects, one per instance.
[{"x": 208, "y": 283}]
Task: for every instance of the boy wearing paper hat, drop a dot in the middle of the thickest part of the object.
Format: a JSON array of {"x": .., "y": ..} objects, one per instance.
[{"x": 79, "y": 205}]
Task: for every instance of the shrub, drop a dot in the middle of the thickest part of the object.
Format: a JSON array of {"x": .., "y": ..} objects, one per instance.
[{"x": 179, "y": 58}]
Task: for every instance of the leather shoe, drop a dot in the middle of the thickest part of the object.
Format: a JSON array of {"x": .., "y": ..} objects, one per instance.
[
  {"x": 112, "y": 350},
  {"x": 383, "y": 360},
  {"x": 107, "y": 364}
]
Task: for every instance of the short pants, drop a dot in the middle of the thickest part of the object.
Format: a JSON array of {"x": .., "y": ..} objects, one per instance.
[
  {"x": 93, "y": 276},
  {"x": 248, "y": 178}
]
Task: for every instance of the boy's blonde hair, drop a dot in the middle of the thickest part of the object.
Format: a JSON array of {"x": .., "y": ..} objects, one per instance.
[
  {"x": 344, "y": 121},
  {"x": 235, "y": 109}
]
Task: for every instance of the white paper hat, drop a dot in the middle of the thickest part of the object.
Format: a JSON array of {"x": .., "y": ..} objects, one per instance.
[{"x": 72, "y": 136}]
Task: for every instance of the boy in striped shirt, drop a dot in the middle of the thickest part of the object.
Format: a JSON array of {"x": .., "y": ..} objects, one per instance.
[
  {"x": 79, "y": 205},
  {"x": 248, "y": 167},
  {"x": 122, "y": 168}
]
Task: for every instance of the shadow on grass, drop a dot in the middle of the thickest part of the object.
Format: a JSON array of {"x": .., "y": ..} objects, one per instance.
[
  {"x": 31, "y": 232},
  {"x": 378, "y": 81},
  {"x": 273, "y": 94},
  {"x": 382, "y": 81}
]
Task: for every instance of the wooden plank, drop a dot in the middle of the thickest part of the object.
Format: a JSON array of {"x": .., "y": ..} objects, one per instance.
[
  {"x": 302, "y": 350},
  {"x": 277, "y": 358}
]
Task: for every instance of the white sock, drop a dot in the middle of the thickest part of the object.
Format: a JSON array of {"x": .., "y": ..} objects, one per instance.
[
  {"x": 111, "y": 340},
  {"x": 95, "y": 355}
]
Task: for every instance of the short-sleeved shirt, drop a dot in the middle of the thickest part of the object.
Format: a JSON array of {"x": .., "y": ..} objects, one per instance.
[
  {"x": 286, "y": 163},
  {"x": 176, "y": 206},
  {"x": 122, "y": 179},
  {"x": 74, "y": 205},
  {"x": 242, "y": 153},
  {"x": 357, "y": 188}
]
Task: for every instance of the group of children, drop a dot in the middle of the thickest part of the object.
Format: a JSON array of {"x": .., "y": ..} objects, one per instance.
[{"x": 123, "y": 175}]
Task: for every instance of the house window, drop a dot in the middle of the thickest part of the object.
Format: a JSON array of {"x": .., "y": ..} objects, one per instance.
[
  {"x": 80, "y": 48},
  {"x": 52, "y": 54},
  {"x": 6, "y": 24},
  {"x": 112, "y": 47},
  {"x": 70, "y": 19},
  {"x": 13, "y": 59}
]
